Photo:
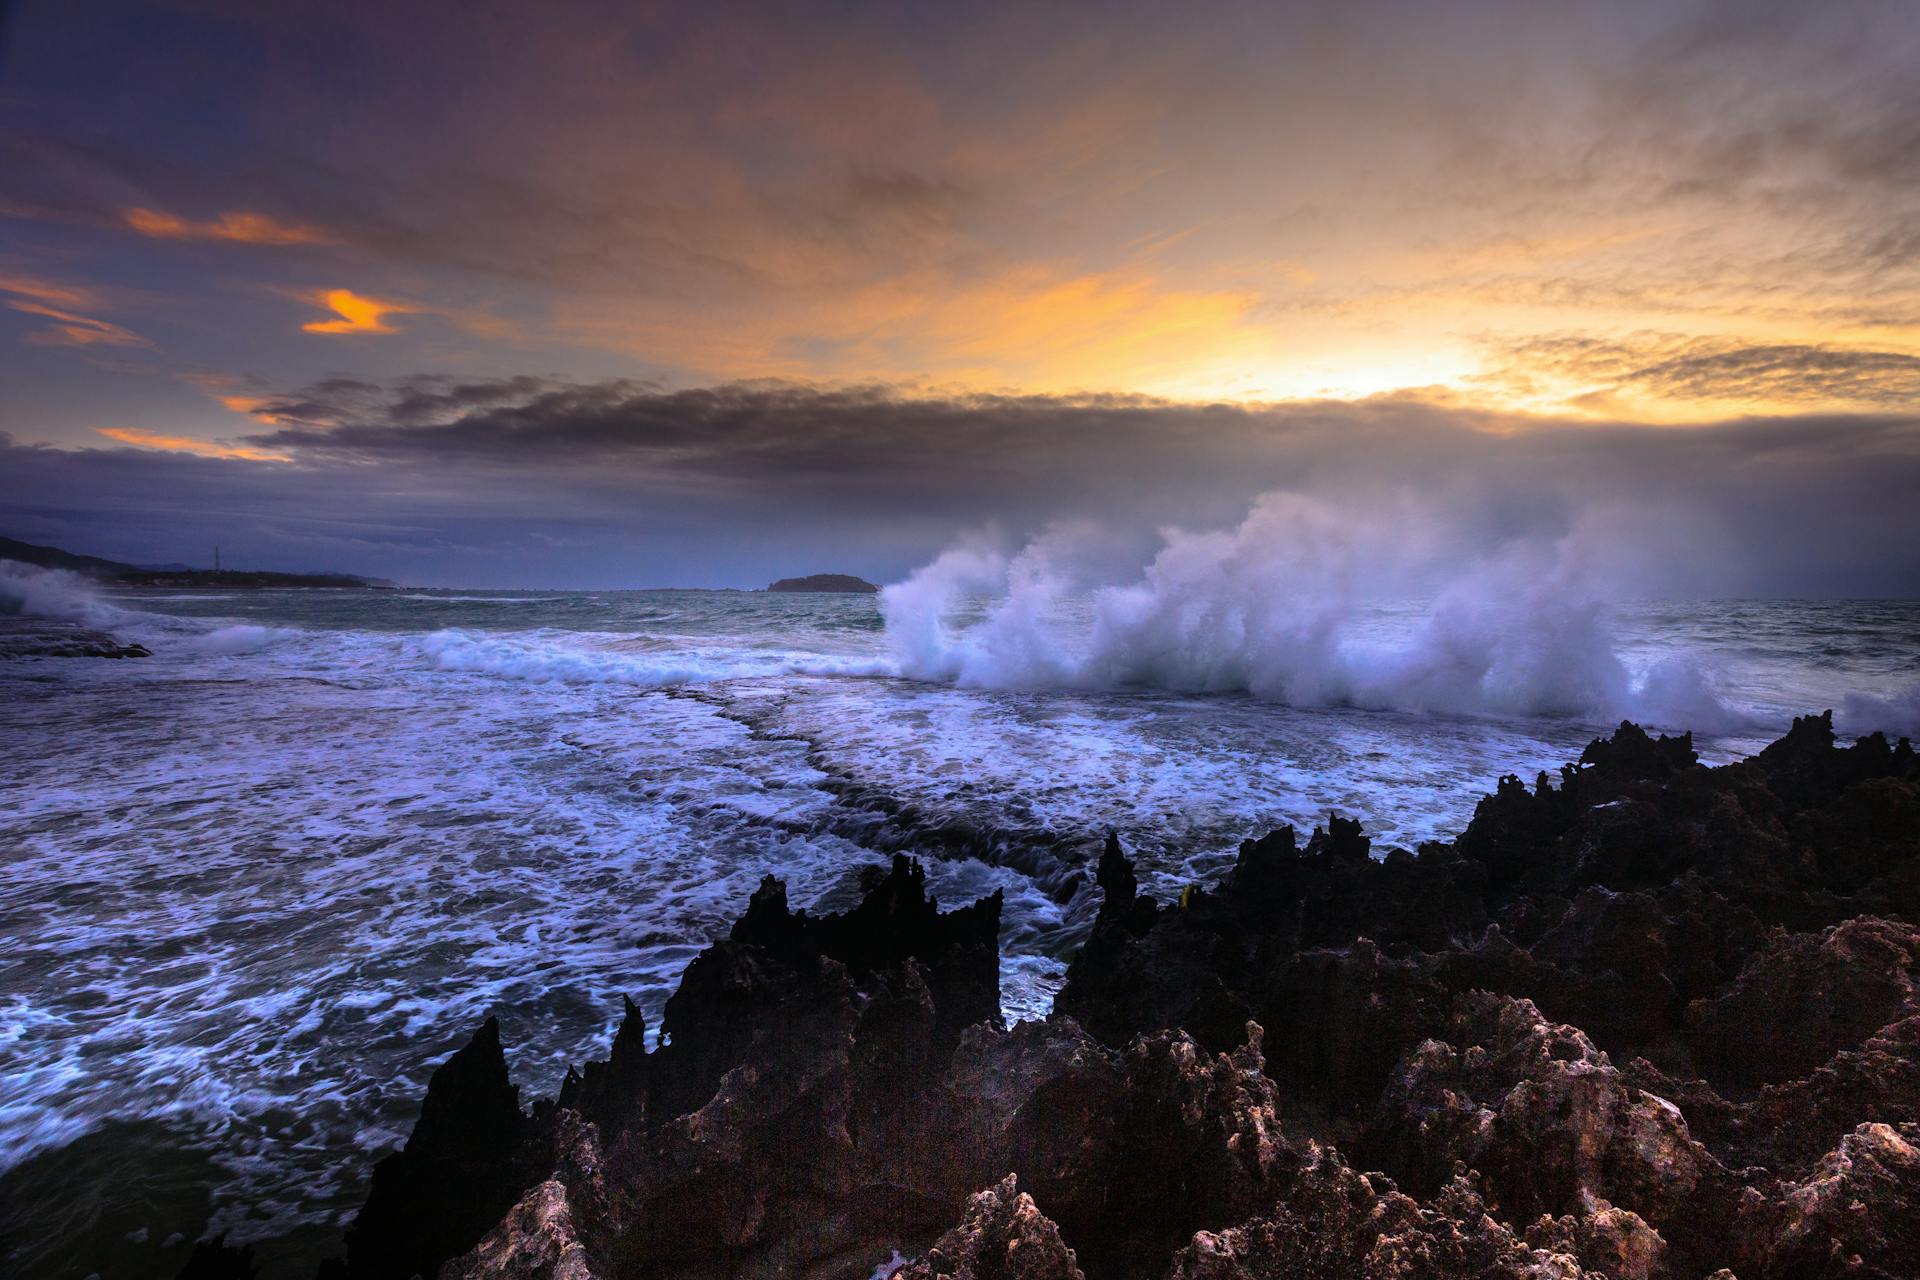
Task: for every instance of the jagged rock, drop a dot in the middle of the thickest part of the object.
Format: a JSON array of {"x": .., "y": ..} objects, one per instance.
[
  {"x": 1789, "y": 1127},
  {"x": 1542, "y": 1115},
  {"x": 1004, "y": 1236},
  {"x": 1804, "y": 998},
  {"x": 831, "y": 1088},
  {"x": 535, "y": 1241},
  {"x": 217, "y": 1260},
  {"x": 613, "y": 1093},
  {"x": 1617, "y": 1242},
  {"x": 732, "y": 990},
  {"x": 1194, "y": 1139},
  {"x": 463, "y": 1167},
  {"x": 1338, "y": 1223},
  {"x": 1853, "y": 1216}
]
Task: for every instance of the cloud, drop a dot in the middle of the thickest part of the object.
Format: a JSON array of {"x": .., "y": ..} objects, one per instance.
[
  {"x": 479, "y": 481},
  {"x": 1600, "y": 371},
  {"x": 873, "y": 476},
  {"x": 69, "y": 328},
  {"x": 356, "y": 314},
  {"x": 237, "y": 225},
  {"x": 187, "y": 444},
  {"x": 1006, "y": 199}
]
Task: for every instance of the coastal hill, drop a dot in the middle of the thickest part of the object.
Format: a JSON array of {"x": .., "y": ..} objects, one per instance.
[
  {"x": 133, "y": 575},
  {"x": 843, "y": 583}
]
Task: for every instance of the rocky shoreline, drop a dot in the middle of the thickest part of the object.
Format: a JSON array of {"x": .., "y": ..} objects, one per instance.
[
  {"x": 51, "y": 638},
  {"x": 1649, "y": 1019}
]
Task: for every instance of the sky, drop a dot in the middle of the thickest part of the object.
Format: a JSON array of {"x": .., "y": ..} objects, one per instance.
[{"x": 597, "y": 294}]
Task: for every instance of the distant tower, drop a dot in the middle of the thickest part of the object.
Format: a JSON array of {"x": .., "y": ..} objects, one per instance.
[{"x": 216, "y": 558}]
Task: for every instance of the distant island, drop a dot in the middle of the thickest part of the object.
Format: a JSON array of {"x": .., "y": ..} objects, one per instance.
[
  {"x": 844, "y": 583},
  {"x": 171, "y": 575}
]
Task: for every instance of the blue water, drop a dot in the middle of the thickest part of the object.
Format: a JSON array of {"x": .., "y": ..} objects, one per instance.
[{"x": 256, "y": 884}]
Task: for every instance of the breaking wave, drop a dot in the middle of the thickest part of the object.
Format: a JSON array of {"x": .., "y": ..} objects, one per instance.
[
  {"x": 29, "y": 591},
  {"x": 1295, "y": 605}
]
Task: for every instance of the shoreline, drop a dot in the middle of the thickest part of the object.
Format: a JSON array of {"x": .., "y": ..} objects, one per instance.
[{"x": 1652, "y": 1021}]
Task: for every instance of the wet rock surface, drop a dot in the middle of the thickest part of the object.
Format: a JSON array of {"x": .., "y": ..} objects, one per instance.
[
  {"x": 50, "y": 638},
  {"x": 1644, "y": 1020}
]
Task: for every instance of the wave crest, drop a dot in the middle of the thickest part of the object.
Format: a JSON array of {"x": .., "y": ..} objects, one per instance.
[
  {"x": 1290, "y": 606},
  {"x": 30, "y": 591}
]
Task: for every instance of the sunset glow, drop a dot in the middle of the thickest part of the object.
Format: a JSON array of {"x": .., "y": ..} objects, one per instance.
[
  {"x": 948, "y": 640},
  {"x": 182, "y": 444},
  {"x": 237, "y": 225},
  {"x": 1496, "y": 219},
  {"x": 356, "y": 314}
]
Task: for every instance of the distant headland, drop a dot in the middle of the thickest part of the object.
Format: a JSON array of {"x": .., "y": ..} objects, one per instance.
[
  {"x": 174, "y": 575},
  {"x": 844, "y": 583}
]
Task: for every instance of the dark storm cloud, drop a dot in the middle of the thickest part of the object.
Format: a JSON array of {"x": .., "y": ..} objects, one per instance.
[{"x": 479, "y": 482}]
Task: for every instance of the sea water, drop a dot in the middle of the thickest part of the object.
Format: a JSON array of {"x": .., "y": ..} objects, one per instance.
[{"x": 254, "y": 887}]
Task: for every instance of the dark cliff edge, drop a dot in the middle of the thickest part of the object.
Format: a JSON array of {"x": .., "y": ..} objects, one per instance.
[
  {"x": 841, "y": 583},
  {"x": 1647, "y": 1020}
]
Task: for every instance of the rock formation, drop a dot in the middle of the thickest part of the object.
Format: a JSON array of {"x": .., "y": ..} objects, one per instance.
[
  {"x": 1645, "y": 1021},
  {"x": 52, "y": 638}
]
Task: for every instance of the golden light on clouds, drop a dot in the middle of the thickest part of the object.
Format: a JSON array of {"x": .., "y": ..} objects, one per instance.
[
  {"x": 356, "y": 313},
  {"x": 1038, "y": 327},
  {"x": 238, "y": 225},
  {"x": 1191, "y": 210},
  {"x": 145, "y": 439},
  {"x": 59, "y": 303},
  {"x": 249, "y": 405}
]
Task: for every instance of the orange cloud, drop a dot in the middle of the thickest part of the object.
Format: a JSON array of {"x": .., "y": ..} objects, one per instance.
[
  {"x": 186, "y": 444},
  {"x": 69, "y": 328},
  {"x": 356, "y": 314},
  {"x": 238, "y": 225},
  {"x": 244, "y": 404},
  {"x": 59, "y": 295}
]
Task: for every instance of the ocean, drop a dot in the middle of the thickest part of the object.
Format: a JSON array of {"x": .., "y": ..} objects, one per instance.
[{"x": 258, "y": 884}]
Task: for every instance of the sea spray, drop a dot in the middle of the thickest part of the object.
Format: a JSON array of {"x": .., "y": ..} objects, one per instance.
[
  {"x": 1895, "y": 713},
  {"x": 28, "y": 591},
  {"x": 1289, "y": 606}
]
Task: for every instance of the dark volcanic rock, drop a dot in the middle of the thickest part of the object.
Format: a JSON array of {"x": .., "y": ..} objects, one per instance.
[
  {"x": 47, "y": 638},
  {"x": 1335, "y": 1223},
  {"x": 461, "y": 1170},
  {"x": 1004, "y": 1236},
  {"x": 218, "y": 1260},
  {"x": 1854, "y": 1216},
  {"x": 1645, "y": 1021}
]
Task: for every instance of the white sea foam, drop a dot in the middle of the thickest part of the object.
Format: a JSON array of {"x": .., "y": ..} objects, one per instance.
[
  {"x": 33, "y": 592},
  {"x": 309, "y": 843},
  {"x": 1896, "y": 713},
  {"x": 1287, "y": 606},
  {"x": 520, "y": 659},
  {"x": 237, "y": 639},
  {"x": 544, "y": 657}
]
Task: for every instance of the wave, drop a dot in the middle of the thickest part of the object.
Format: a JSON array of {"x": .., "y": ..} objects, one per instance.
[
  {"x": 435, "y": 599},
  {"x": 1286, "y": 606},
  {"x": 1897, "y": 713},
  {"x": 239, "y": 638},
  {"x": 537, "y": 662},
  {"x": 29, "y": 591}
]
